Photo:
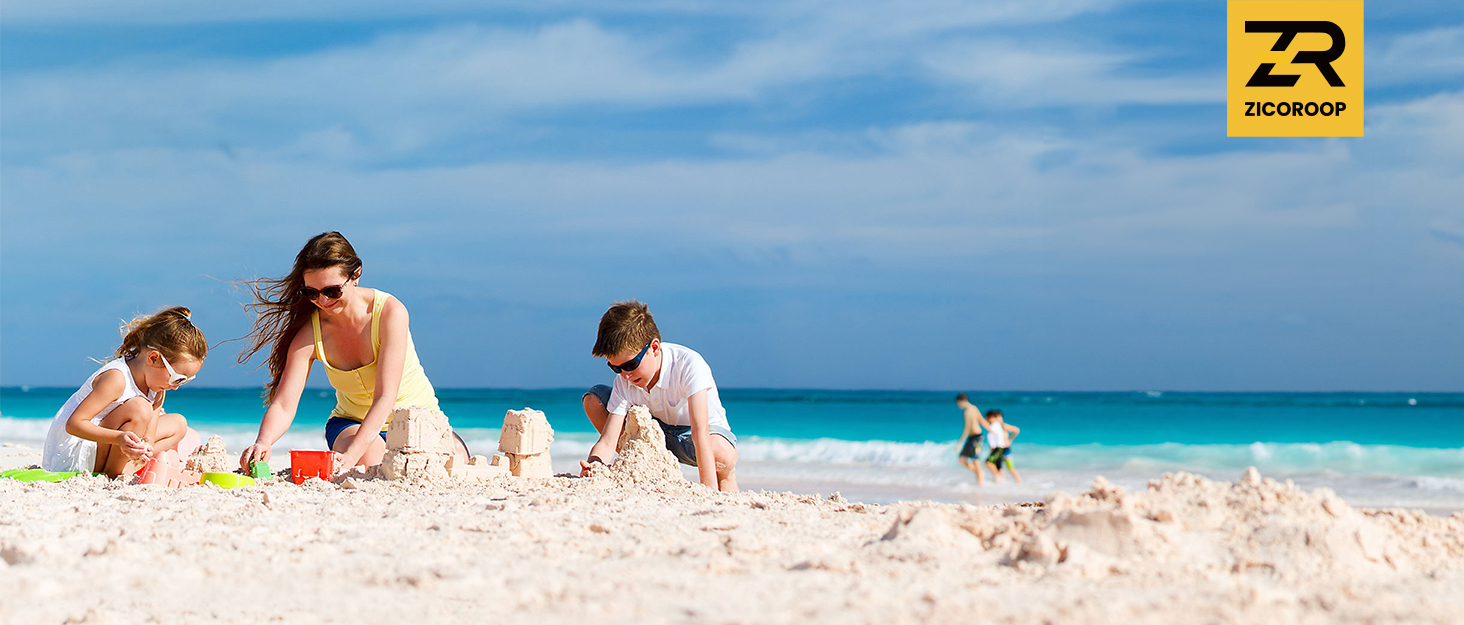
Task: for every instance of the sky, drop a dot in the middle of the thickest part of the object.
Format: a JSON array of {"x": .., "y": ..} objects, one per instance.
[{"x": 1002, "y": 195}]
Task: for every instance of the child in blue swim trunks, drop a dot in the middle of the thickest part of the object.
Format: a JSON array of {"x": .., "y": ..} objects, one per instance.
[{"x": 971, "y": 437}]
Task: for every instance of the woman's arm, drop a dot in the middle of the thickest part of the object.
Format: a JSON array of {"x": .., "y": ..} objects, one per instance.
[
  {"x": 281, "y": 411},
  {"x": 390, "y": 359},
  {"x": 106, "y": 388}
]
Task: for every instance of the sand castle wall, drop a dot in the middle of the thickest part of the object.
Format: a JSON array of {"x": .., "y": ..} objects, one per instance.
[
  {"x": 523, "y": 444},
  {"x": 420, "y": 445}
]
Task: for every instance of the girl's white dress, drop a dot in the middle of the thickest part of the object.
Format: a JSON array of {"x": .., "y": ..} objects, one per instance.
[{"x": 64, "y": 452}]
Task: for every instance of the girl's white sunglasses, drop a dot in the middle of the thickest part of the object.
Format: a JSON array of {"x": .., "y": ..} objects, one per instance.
[{"x": 175, "y": 379}]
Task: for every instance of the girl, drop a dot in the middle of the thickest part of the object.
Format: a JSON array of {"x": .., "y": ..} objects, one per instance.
[
  {"x": 321, "y": 312},
  {"x": 116, "y": 419}
]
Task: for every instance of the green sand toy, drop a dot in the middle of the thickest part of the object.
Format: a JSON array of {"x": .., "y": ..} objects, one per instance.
[
  {"x": 259, "y": 470},
  {"x": 17, "y": 474},
  {"x": 38, "y": 475},
  {"x": 228, "y": 480}
]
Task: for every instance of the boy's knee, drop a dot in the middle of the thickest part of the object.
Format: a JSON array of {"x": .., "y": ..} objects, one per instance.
[
  {"x": 595, "y": 411},
  {"x": 725, "y": 454},
  {"x": 592, "y": 406}
]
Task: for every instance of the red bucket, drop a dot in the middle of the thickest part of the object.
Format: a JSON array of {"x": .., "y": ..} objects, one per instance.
[{"x": 307, "y": 464}]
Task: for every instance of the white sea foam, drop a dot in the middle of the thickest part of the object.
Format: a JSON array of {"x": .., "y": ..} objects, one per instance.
[
  {"x": 1446, "y": 484},
  {"x": 1375, "y": 475}
]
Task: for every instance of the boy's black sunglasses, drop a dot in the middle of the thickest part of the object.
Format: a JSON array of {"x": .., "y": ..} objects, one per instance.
[
  {"x": 333, "y": 292},
  {"x": 629, "y": 365}
]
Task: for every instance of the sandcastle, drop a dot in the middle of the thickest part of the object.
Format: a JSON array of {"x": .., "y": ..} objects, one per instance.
[
  {"x": 523, "y": 445},
  {"x": 642, "y": 455},
  {"x": 212, "y": 457},
  {"x": 420, "y": 445}
]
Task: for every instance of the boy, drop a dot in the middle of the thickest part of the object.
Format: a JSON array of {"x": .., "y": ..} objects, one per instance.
[
  {"x": 673, "y": 382},
  {"x": 996, "y": 437},
  {"x": 971, "y": 437}
]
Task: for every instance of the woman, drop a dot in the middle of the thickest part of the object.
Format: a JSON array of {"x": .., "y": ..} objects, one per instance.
[{"x": 320, "y": 312}]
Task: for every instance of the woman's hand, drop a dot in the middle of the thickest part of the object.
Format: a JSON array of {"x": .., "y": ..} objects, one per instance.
[
  {"x": 257, "y": 452},
  {"x": 345, "y": 461},
  {"x": 133, "y": 445}
]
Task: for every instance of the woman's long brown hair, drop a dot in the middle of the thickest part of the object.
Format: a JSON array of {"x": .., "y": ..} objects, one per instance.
[{"x": 280, "y": 311}]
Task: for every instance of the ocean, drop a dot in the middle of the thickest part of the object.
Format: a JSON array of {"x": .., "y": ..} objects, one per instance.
[{"x": 1374, "y": 449}]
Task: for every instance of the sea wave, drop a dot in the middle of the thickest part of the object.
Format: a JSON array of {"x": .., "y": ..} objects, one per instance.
[{"x": 1337, "y": 457}]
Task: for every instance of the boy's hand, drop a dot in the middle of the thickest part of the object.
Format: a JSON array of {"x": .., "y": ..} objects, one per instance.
[
  {"x": 587, "y": 463},
  {"x": 133, "y": 445}
]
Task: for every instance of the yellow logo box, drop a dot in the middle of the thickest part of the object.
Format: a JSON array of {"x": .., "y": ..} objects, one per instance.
[{"x": 1294, "y": 68}]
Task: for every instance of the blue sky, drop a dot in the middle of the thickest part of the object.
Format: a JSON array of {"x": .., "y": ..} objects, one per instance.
[{"x": 918, "y": 195}]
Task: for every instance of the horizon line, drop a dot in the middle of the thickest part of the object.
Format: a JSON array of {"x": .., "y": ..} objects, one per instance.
[{"x": 24, "y": 388}]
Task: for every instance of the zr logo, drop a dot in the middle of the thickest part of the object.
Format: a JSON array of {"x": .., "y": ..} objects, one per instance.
[{"x": 1320, "y": 58}]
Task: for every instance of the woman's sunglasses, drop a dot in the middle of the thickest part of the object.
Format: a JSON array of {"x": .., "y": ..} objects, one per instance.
[
  {"x": 632, "y": 364},
  {"x": 333, "y": 292},
  {"x": 175, "y": 379}
]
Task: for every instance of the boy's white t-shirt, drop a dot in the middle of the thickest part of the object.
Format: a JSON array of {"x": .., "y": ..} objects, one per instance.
[
  {"x": 683, "y": 373},
  {"x": 997, "y": 436}
]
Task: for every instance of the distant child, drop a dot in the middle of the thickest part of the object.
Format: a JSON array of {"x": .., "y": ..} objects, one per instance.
[
  {"x": 673, "y": 382},
  {"x": 971, "y": 437},
  {"x": 116, "y": 419},
  {"x": 1001, "y": 446}
]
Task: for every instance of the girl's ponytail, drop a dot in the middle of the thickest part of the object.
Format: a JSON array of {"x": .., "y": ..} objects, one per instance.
[{"x": 169, "y": 331}]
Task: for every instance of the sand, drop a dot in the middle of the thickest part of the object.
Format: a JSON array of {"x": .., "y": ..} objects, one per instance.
[
  {"x": 642, "y": 457},
  {"x": 212, "y": 457},
  {"x": 607, "y": 549}
]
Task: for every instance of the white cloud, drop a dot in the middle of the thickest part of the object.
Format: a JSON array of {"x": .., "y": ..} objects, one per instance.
[
  {"x": 1434, "y": 54},
  {"x": 404, "y": 90},
  {"x": 1433, "y": 125},
  {"x": 407, "y": 90},
  {"x": 929, "y": 193},
  {"x": 898, "y": 16},
  {"x": 1029, "y": 73}
]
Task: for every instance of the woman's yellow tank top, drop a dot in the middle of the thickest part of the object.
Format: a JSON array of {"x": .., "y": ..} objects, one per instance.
[{"x": 353, "y": 388}]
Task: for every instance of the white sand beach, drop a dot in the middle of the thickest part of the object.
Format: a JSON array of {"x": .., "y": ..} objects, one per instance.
[{"x": 638, "y": 547}]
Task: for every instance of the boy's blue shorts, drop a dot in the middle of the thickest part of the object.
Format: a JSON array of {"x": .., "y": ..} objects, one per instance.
[{"x": 678, "y": 437}]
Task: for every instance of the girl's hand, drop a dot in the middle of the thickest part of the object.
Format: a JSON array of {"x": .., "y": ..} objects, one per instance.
[
  {"x": 255, "y": 452},
  {"x": 133, "y": 445}
]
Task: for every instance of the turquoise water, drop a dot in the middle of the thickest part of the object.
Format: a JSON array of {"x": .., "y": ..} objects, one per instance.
[
  {"x": 1379, "y": 448},
  {"x": 1426, "y": 420}
]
